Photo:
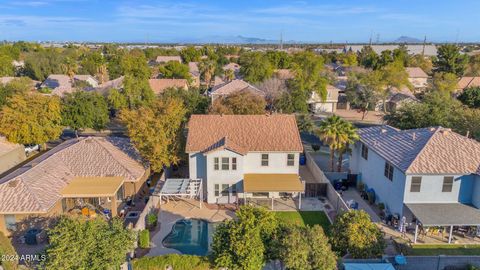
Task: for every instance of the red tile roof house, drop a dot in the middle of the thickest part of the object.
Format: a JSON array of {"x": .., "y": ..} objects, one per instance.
[
  {"x": 432, "y": 174},
  {"x": 244, "y": 156},
  {"x": 466, "y": 82},
  {"x": 96, "y": 172},
  {"x": 417, "y": 77},
  {"x": 235, "y": 86},
  {"x": 160, "y": 85}
]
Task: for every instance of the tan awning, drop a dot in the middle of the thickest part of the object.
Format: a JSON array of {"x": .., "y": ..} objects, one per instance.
[
  {"x": 272, "y": 183},
  {"x": 88, "y": 187}
]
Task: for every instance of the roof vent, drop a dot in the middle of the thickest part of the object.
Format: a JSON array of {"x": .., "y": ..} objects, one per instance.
[
  {"x": 432, "y": 129},
  {"x": 445, "y": 131},
  {"x": 414, "y": 136},
  {"x": 383, "y": 130},
  {"x": 13, "y": 183}
]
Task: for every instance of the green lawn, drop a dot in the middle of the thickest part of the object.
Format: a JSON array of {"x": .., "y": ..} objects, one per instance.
[
  {"x": 433, "y": 250},
  {"x": 305, "y": 218}
]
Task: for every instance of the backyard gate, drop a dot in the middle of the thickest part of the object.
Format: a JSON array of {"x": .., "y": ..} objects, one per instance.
[{"x": 315, "y": 190}]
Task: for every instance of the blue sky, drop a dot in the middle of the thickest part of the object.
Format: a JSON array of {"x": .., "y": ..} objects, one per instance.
[{"x": 176, "y": 21}]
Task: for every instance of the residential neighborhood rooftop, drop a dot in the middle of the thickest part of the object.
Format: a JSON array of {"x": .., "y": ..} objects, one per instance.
[
  {"x": 466, "y": 82},
  {"x": 234, "y": 86},
  {"x": 243, "y": 133},
  {"x": 433, "y": 150},
  {"x": 416, "y": 72},
  {"x": 160, "y": 85},
  {"x": 166, "y": 58},
  {"x": 37, "y": 186}
]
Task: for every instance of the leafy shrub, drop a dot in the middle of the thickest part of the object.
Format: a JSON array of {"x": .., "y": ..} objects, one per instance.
[
  {"x": 45, "y": 90},
  {"x": 176, "y": 261},
  {"x": 6, "y": 248},
  {"x": 144, "y": 239},
  {"x": 381, "y": 206},
  {"x": 152, "y": 219}
]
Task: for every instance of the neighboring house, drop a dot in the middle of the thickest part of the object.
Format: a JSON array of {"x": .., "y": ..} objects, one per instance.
[
  {"x": 195, "y": 73},
  {"x": 234, "y": 67},
  {"x": 86, "y": 78},
  {"x": 165, "y": 59},
  {"x": 112, "y": 84},
  {"x": 432, "y": 174},
  {"x": 398, "y": 98},
  {"x": 94, "y": 172},
  {"x": 417, "y": 77},
  {"x": 11, "y": 154},
  {"x": 59, "y": 84},
  {"x": 244, "y": 156},
  {"x": 235, "y": 86},
  {"x": 467, "y": 82},
  {"x": 159, "y": 85},
  {"x": 317, "y": 105}
]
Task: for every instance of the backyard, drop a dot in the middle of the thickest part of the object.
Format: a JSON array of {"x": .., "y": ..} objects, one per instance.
[
  {"x": 434, "y": 250},
  {"x": 305, "y": 218}
]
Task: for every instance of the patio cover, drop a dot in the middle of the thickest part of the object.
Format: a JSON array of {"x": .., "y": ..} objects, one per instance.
[
  {"x": 445, "y": 214},
  {"x": 91, "y": 187},
  {"x": 253, "y": 182},
  {"x": 368, "y": 266}
]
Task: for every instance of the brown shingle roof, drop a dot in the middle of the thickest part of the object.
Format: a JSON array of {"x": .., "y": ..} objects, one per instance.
[
  {"x": 159, "y": 85},
  {"x": 434, "y": 150},
  {"x": 37, "y": 186},
  {"x": 466, "y": 82},
  {"x": 165, "y": 59},
  {"x": 416, "y": 72},
  {"x": 243, "y": 133},
  {"x": 234, "y": 86}
]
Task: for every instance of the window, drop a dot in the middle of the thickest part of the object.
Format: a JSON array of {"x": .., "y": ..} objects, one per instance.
[
  {"x": 447, "y": 184},
  {"x": 217, "y": 190},
  {"x": 234, "y": 189},
  {"x": 364, "y": 152},
  {"x": 388, "y": 171},
  {"x": 290, "y": 159},
  {"x": 264, "y": 159},
  {"x": 225, "y": 164},
  {"x": 234, "y": 163},
  {"x": 416, "y": 184},
  {"x": 224, "y": 189},
  {"x": 10, "y": 222},
  {"x": 216, "y": 165}
]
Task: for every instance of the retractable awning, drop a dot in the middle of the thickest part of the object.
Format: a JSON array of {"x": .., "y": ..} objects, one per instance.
[
  {"x": 445, "y": 214},
  {"x": 91, "y": 187},
  {"x": 272, "y": 183}
]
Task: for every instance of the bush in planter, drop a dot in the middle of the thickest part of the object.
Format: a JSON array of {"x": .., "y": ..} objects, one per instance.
[
  {"x": 152, "y": 220},
  {"x": 371, "y": 197},
  {"x": 144, "y": 239},
  {"x": 315, "y": 147}
]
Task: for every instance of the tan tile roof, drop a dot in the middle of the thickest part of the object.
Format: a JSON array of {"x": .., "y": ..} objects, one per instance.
[
  {"x": 37, "y": 186},
  {"x": 232, "y": 66},
  {"x": 416, "y": 72},
  {"x": 234, "y": 86},
  {"x": 466, "y": 82},
  {"x": 159, "y": 85},
  {"x": 243, "y": 133},
  {"x": 434, "y": 150},
  {"x": 112, "y": 84},
  {"x": 193, "y": 68},
  {"x": 59, "y": 83},
  {"x": 165, "y": 59}
]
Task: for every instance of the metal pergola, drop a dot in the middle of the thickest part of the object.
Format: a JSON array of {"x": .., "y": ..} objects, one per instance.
[{"x": 182, "y": 188}]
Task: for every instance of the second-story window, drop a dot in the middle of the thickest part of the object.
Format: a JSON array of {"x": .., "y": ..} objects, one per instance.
[
  {"x": 388, "y": 172},
  {"x": 290, "y": 159},
  {"x": 216, "y": 164},
  {"x": 447, "y": 184},
  {"x": 225, "y": 164},
  {"x": 264, "y": 159},
  {"x": 416, "y": 184},
  {"x": 234, "y": 163},
  {"x": 364, "y": 151}
]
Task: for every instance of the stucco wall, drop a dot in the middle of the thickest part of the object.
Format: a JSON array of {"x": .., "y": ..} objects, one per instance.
[
  {"x": 371, "y": 173},
  {"x": 431, "y": 190},
  {"x": 277, "y": 163}
]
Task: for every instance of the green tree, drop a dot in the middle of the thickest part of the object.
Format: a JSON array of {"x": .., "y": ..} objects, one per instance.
[
  {"x": 31, "y": 119},
  {"x": 349, "y": 59},
  {"x": 135, "y": 64},
  {"x": 450, "y": 60},
  {"x": 175, "y": 70},
  {"x": 137, "y": 91},
  {"x": 255, "y": 67},
  {"x": 425, "y": 63},
  {"x": 6, "y": 66},
  {"x": 368, "y": 58},
  {"x": 39, "y": 65},
  {"x": 394, "y": 76},
  {"x": 279, "y": 59},
  {"x": 348, "y": 137},
  {"x": 228, "y": 75},
  {"x": 401, "y": 55},
  {"x": 116, "y": 100},
  {"x": 88, "y": 244},
  {"x": 355, "y": 234},
  {"x": 473, "y": 66},
  {"x": 444, "y": 82},
  {"x": 91, "y": 62},
  {"x": 190, "y": 54},
  {"x": 207, "y": 70},
  {"x": 156, "y": 131},
  {"x": 305, "y": 123},
  {"x": 242, "y": 243},
  {"x": 363, "y": 93},
  {"x": 193, "y": 100},
  {"x": 471, "y": 97},
  {"x": 82, "y": 110},
  {"x": 20, "y": 86},
  {"x": 243, "y": 102}
]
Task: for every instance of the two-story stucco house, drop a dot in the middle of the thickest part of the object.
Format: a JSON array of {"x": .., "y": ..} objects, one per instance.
[
  {"x": 417, "y": 77},
  {"x": 430, "y": 174},
  {"x": 244, "y": 156},
  {"x": 317, "y": 105}
]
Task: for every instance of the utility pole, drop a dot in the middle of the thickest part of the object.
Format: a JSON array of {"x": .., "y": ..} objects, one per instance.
[
  {"x": 281, "y": 40},
  {"x": 424, "y": 44}
]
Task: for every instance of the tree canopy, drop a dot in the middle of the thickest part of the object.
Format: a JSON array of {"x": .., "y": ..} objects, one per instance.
[
  {"x": 82, "y": 110},
  {"x": 255, "y": 67},
  {"x": 175, "y": 70},
  {"x": 471, "y": 97},
  {"x": 88, "y": 244},
  {"x": 156, "y": 131},
  {"x": 450, "y": 60},
  {"x": 31, "y": 119},
  {"x": 19, "y": 85},
  {"x": 243, "y": 102}
]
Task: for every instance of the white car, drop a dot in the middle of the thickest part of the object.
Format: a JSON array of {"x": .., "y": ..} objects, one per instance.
[{"x": 30, "y": 148}]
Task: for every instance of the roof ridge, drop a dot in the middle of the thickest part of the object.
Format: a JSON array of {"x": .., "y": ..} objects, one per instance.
[
  {"x": 108, "y": 151},
  {"x": 437, "y": 129}
]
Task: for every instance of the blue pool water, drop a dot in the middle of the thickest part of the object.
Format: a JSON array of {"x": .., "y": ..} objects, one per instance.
[{"x": 190, "y": 236}]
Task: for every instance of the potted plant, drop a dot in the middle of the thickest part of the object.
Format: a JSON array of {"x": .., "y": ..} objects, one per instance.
[{"x": 152, "y": 220}]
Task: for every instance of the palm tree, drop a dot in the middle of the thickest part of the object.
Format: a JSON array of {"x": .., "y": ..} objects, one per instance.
[
  {"x": 102, "y": 73},
  {"x": 70, "y": 68},
  {"x": 349, "y": 137},
  {"x": 228, "y": 75},
  {"x": 207, "y": 69},
  {"x": 338, "y": 134}
]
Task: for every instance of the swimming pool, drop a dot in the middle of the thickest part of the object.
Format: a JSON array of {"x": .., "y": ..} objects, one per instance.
[{"x": 190, "y": 236}]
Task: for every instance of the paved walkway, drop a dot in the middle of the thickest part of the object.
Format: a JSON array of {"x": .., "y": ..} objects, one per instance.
[
  {"x": 173, "y": 211},
  {"x": 352, "y": 194}
]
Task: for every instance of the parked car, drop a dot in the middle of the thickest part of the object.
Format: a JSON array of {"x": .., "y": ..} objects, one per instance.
[{"x": 30, "y": 148}]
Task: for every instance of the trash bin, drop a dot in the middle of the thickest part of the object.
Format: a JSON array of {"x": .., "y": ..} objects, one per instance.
[
  {"x": 31, "y": 236},
  {"x": 303, "y": 159}
]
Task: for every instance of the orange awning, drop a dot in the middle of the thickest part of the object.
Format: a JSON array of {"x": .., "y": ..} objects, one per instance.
[
  {"x": 90, "y": 187},
  {"x": 254, "y": 182}
]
